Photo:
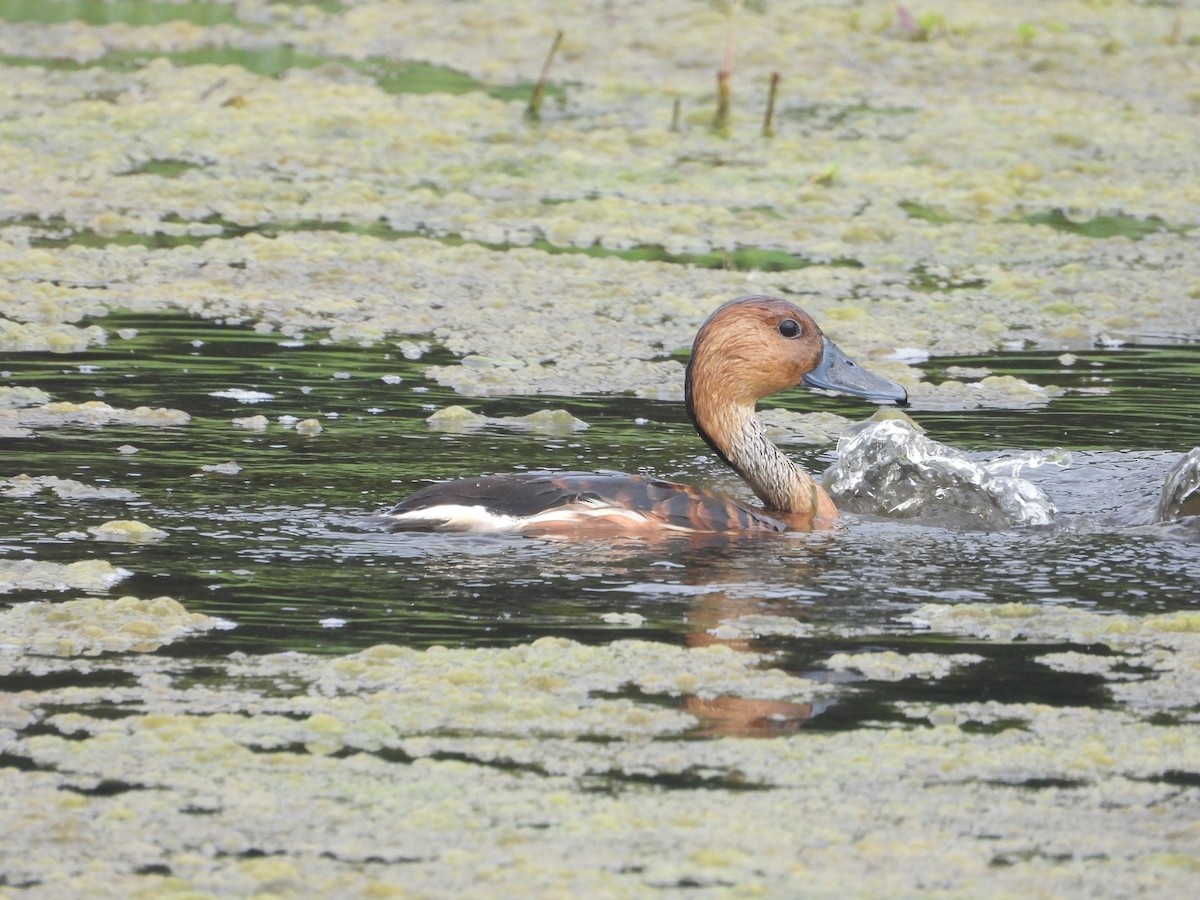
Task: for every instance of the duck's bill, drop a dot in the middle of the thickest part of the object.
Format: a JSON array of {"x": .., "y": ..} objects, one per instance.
[{"x": 838, "y": 372}]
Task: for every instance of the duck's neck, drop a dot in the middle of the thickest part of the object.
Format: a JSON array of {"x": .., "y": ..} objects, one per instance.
[{"x": 738, "y": 438}]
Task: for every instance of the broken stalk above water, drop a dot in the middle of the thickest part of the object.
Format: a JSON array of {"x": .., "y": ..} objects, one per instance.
[{"x": 533, "y": 112}]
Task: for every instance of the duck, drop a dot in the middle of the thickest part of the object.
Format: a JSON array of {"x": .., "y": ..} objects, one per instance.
[{"x": 747, "y": 349}]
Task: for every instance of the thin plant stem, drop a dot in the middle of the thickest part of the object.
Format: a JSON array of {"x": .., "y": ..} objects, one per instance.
[
  {"x": 533, "y": 112},
  {"x": 768, "y": 128}
]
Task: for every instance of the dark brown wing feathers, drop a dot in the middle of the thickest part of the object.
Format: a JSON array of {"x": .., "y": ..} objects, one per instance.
[{"x": 529, "y": 493}]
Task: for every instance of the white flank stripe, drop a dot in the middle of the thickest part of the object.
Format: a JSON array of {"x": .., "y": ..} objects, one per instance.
[
  {"x": 481, "y": 520},
  {"x": 454, "y": 517}
]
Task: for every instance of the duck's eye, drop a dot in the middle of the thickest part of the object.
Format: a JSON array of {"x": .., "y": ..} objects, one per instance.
[{"x": 789, "y": 328}]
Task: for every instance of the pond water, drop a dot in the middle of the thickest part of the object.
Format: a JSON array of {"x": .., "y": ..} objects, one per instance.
[{"x": 286, "y": 548}]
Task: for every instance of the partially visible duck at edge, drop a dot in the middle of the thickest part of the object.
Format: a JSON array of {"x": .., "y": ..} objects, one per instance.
[{"x": 748, "y": 349}]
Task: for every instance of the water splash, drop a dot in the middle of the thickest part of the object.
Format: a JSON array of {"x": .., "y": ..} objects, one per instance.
[
  {"x": 1181, "y": 489},
  {"x": 889, "y": 468}
]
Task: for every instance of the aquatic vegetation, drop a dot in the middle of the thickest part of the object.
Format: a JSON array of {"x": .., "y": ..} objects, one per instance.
[
  {"x": 17, "y": 397},
  {"x": 252, "y": 423},
  {"x": 466, "y": 753},
  {"x": 533, "y": 111},
  {"x": 133, "y": 12},
  {"x": 891, "y": 666},
  {"x": 91, "y": 413},
  {"x": 19, "y": 337},
  {"x": 95, "y": 625},
  {"x": 1155, "y": 666},
  {"x": 989, "y": 391},
  {"x": 126, "y": 531},
  {"x": 459, "y": 419},
  {"x": 588, "y": 180},
  {"x": 38, "y": 575},
  {"x": 758, "y": 625},
  {"x": 786, "y": 426},
  {"x": 64, "y": 488}
]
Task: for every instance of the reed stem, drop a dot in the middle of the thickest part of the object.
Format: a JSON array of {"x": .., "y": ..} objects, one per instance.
[
  {"x": 533, "y": 112},
  {"x": 768, "y": 128}
]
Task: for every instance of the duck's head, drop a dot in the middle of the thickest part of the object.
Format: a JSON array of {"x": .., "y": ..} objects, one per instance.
[{"x": 752, "y": 347}]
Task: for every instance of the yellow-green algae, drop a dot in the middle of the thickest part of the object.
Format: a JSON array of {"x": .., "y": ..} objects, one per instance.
[
  {"x": 225, "y": 468},
  {"x": 94, "y": 413},
  {"x": 126, "y": 531},
  {"x": 891, "y": 666},
  {"x": 39, "y": 575},
  {"x": 990, "y": 391},
  {"x": 487, "y": 771},
  {"x": 785, "y": 426},
  {"x": 459, "y": 419},
  {"x": 1166, "y": 646},
  {"x": 252, "y": 423},
  {"x": 760, "y": 625},
  {"x": 16, "y": 397},
  {"x": 65, "y": 488},
  {"x": 991, "y": 129},
  {"x": 94, "y": 625}
]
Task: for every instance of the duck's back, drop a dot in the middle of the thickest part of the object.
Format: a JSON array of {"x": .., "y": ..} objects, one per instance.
[{"x": 560, "y": 502}]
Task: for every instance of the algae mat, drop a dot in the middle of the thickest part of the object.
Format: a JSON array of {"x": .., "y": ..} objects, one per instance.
[
  {"x": 534, "y": 770},
  {"x": 948, "y": 181},
  {"x": 1011, "y": 177}
]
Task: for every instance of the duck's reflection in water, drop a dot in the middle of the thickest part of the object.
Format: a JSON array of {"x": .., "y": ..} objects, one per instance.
[{"x": 726, "y": 616}]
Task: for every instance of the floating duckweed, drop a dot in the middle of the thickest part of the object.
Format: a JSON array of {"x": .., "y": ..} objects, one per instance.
[
  {"x": 9, "y": 430},
  {"x": 459, "y": 419},
  {"x": 785, "y": 426},
  {"x": 243, "y": 395},
  {"x": 1082, "y": 663},
  {"x": 17, "y": 337},
  {"x": 490, "y": 769},
  {"x": 65, "y": 488},
  {"x": 126, "y": 531},
  {"x": 990, "y": 391},
  {"x": 225, "y": 468},
  {"x": 968, "y": 372},
  {"x": 546, "y": 421},
  {"x": 252, "y": 423},
  {"x": 887, "y": 665},
  {"x": 95, "y": 413},
  {"x": 1167, "y": 646},
  {"x": 631, "y": 619},
  {"x": 412, "y": 350},
  {"x": 96, "y": 625},
  {"x": 758, "y": 625},
  {"x": 35, "y": 575},
  {"x": 1023, "y": 621},
  {"x": 17, "y": 397}
]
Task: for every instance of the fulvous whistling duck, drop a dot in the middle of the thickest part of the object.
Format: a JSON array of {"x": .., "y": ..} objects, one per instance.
[{"x": 749, "y": 348}]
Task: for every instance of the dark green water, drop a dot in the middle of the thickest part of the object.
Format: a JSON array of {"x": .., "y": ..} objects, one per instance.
[{"x": 288, "y": 543}]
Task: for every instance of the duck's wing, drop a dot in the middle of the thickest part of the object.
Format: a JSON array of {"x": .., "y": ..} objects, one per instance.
[{"x": 559, "y": 501}]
